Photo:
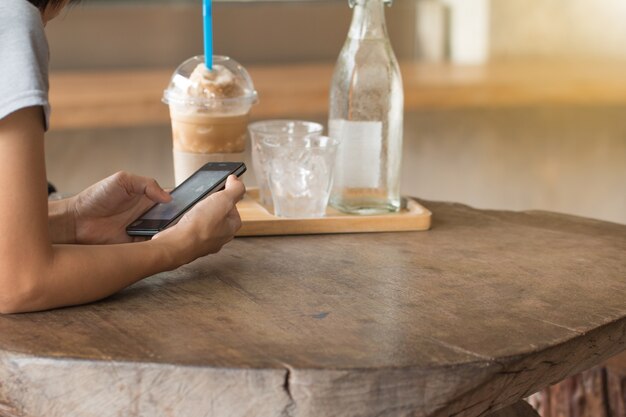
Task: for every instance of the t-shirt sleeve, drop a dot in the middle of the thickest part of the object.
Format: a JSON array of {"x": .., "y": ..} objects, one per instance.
[{"x": 23, "y": 59}]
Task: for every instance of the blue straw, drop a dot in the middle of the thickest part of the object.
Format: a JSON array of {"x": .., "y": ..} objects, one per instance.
[{"x": 207, "y": 13}]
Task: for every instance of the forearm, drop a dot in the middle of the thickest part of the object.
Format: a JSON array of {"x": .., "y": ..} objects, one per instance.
[
  {"x": 78, "y": 274},
  {"x": 36, "y": 274}
]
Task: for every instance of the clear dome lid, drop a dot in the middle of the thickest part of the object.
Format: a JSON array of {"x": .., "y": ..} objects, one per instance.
[{"x": 228, "y": 84}]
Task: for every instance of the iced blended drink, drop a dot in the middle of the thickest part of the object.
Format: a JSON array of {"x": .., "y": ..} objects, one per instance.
[{"x": 209, "y": 111}]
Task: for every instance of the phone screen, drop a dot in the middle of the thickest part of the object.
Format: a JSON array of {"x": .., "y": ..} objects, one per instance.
[{"x": 186, "y": 194}]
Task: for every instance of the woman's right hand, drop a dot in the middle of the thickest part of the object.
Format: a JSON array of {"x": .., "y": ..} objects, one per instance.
[{"x": 208, "y": 226}]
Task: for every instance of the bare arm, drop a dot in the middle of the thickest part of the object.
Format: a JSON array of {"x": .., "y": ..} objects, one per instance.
[
  {"x": 35, "y": 274},
  {"x": 60, "y": 222}
]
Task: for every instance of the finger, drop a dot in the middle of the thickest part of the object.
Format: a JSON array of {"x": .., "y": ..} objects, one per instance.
[
  {"x": 219, "y": 204},
  {"x": 135, "y": 184},
  {"x": 156, "y": 193},
  {"x": 234, "y": 188},
  {"x": 227, "y": 198}
]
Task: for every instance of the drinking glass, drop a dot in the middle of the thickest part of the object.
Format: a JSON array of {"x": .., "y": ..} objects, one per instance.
[
  {"x": 299, "y": 173},
  {"x": 281, "y": 130}
]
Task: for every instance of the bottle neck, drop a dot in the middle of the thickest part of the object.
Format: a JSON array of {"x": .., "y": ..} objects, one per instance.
[{"x": 368, "y": 19}]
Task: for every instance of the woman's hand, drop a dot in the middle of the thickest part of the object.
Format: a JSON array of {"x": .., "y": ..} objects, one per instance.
[
  {"x": 208, "y": 226},
  {"x": 102, "y": 212}
]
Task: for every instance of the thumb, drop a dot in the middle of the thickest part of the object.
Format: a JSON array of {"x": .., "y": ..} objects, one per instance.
[
  {"x": 234, "y": 188},
  {"x": 154, "y": 192}
]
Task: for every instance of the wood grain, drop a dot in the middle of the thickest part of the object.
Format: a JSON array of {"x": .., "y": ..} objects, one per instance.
[
  {"x": 616, "y": 385},
  {"x": 258, "y": 221},
  {"x": 519, "y": 409},
  {"x": 597, "y": 392},
  {"x": 484, "y": 309},
  {"x": 133, "y": 98}
]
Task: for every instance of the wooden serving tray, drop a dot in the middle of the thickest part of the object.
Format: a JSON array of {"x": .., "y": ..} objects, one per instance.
[{"x": 257, "y": 221}]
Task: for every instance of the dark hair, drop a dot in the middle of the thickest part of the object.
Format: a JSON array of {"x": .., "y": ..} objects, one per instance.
[{"x": 43, "y": 4}]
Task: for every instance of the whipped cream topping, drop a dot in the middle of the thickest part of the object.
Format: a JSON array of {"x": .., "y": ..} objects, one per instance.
[{"x": 218, "y": 83}]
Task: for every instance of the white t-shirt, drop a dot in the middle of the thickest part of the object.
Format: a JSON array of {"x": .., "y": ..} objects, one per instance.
[{"x": 24, "y": 58}]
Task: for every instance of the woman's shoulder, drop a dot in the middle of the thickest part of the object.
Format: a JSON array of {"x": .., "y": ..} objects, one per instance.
[
  {"x": 19, "y": 14},
  {"x": 24, "y": 56},
  {"x": 21, "y": 26}
]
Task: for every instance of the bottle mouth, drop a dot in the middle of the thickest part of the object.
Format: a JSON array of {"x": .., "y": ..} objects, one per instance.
[{"x": 354, "y": 2}]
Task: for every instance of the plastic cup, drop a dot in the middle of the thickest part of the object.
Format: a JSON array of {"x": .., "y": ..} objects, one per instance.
[
  {"x": 299, "y": 174},
  {"x": 280, "y": 130},
  {"x": 209, "y": 112}
]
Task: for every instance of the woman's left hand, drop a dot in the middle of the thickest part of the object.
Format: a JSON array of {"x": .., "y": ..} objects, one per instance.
[{"x": 102, "y": 212}]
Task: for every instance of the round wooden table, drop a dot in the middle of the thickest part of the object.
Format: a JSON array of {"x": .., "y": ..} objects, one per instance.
[{"x": 469, "y": 317}]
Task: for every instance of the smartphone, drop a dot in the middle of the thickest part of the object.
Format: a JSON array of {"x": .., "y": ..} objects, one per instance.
[{"x": 209, "y": 179}]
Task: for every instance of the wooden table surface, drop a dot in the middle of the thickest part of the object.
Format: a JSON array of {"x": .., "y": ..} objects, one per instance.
[{"x": 480, "y": 311}]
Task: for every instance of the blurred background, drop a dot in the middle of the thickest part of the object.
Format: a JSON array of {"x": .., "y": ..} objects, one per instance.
[{"x": 516, "y": 104}]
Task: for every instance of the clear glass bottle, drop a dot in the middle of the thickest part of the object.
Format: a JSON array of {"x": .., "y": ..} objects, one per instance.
[{"x": 366, "y": 112}]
